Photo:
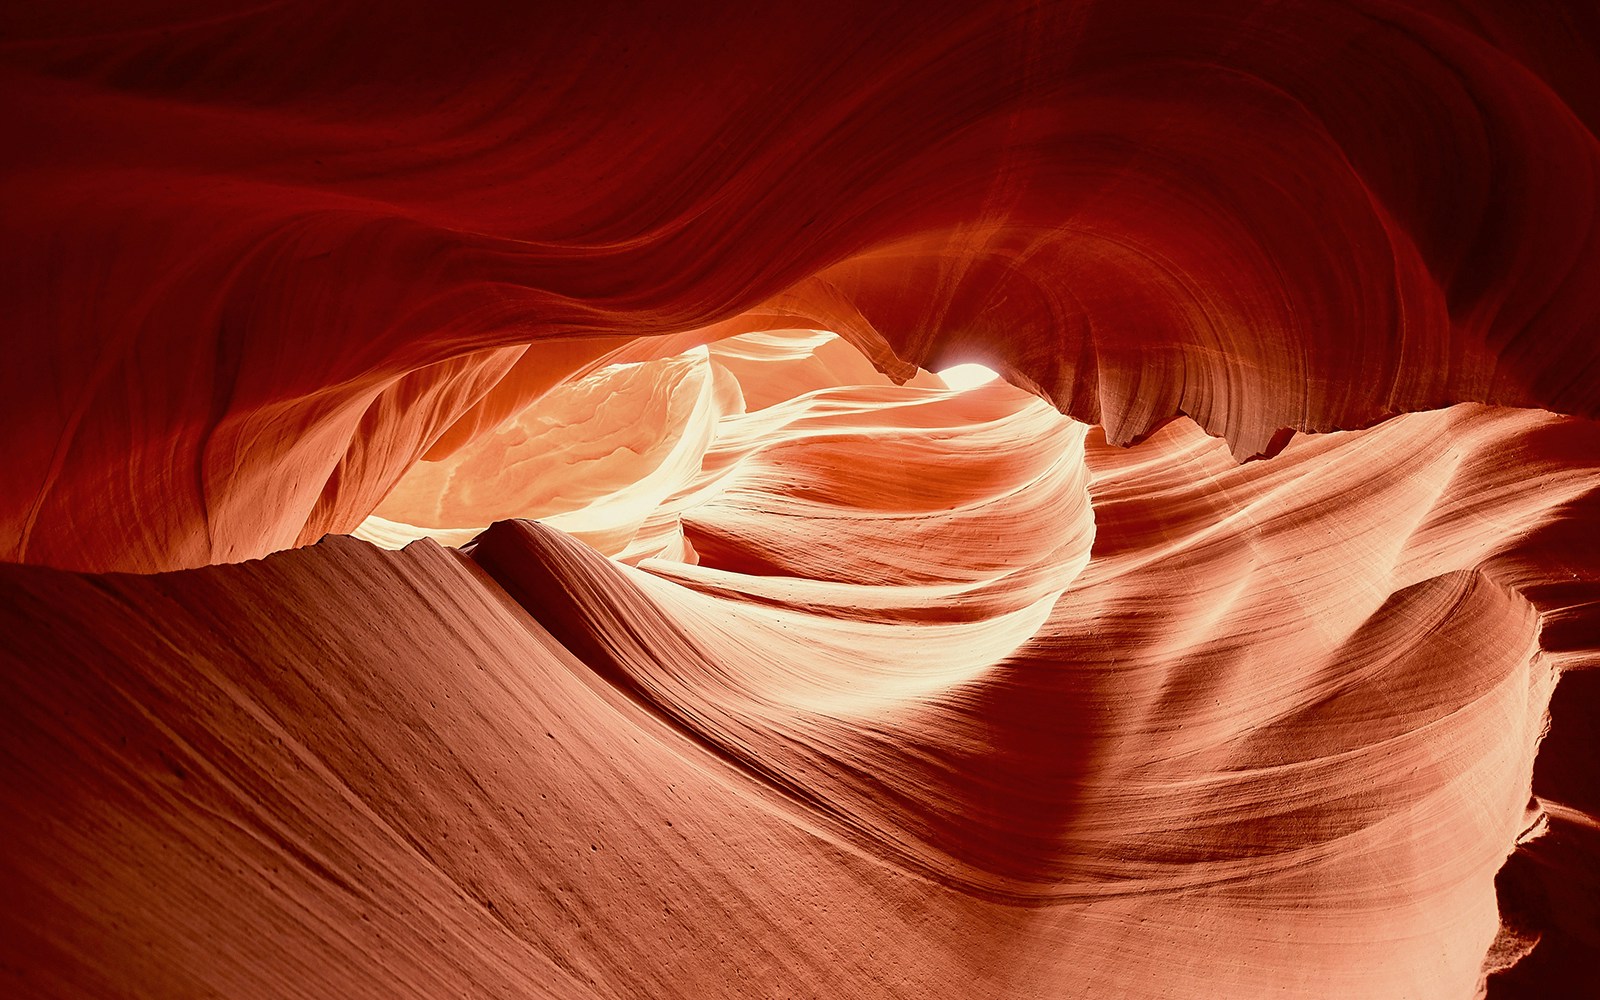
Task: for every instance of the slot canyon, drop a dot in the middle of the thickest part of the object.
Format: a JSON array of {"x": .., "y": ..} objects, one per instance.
[{"x": 988, "y": 500}]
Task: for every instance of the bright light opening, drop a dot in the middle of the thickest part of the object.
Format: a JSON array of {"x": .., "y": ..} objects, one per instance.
[{"x": 968, "y": 376}]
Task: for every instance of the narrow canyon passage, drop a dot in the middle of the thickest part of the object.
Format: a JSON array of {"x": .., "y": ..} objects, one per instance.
[{"x": 986, "y": 500}]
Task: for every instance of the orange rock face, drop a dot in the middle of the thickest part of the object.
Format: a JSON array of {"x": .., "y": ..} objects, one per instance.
[{"x": 481, "y": 520}]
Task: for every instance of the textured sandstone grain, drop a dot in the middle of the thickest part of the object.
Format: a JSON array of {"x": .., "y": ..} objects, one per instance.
[{"x": 694, "y": 642}]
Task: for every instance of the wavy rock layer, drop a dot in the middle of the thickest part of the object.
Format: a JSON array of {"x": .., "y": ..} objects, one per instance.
[
  {"x": 1276, "y": 735},
  {"x": 258, "y": 264},
  {"x": 768, "y": 663}
]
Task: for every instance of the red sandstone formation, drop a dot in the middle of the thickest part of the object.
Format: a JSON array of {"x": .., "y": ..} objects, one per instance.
[{"x": 695, "y": 642}]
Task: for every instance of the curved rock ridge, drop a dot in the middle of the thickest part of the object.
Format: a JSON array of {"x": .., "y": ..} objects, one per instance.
[
  {"x": 257, "y": 268},
  {"x": 1277, "y": 732},
  {"x": 850, "y": 524}
]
